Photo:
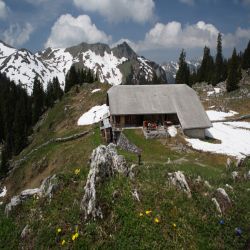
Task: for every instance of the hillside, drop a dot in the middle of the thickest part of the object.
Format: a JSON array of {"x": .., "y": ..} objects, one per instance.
[
  {"x": 172, "y": 221},
  {"x": 112, "y": 65}
]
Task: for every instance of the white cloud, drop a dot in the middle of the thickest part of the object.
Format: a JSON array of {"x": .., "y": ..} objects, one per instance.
[
  {"x": 3, "y": 10},
  {"x": 118, "y": 10},
  {"x": 174, "y": 35},
  {"x": 191, "y": 36},
  {"x": 16, "y": 35},
  {"x": 189, "y": 2},
  {"x": 68, "y": 31}
]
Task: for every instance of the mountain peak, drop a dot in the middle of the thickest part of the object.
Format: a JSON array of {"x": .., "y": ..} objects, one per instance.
[{"x": 124, "y": 50}]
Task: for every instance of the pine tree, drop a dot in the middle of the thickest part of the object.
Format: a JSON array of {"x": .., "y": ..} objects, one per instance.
[
  {"x": 38, "y": 97},
  {"x": 82, "y": 76},
  {"x": 4, "y": 166},
  {"x": 218, "y": 77},
  {"x": 205, "y": 72},
  {"x": 71, "y": 79},
  {"x": 20, "y": 126},
  {"x": 183, "y": 73},
  {"x": 89, "y": 77},
  {"x": 246, "y": 57},
  {"x": 234, "y": 73}
]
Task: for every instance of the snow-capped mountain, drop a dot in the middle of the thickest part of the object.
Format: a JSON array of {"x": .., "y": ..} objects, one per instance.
[
  {"x": 112, "y": 65},
  {"x": 172, "y": 67}
]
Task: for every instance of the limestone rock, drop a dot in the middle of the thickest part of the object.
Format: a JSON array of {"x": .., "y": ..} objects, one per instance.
[
  {"x": 45, "y": 190},
  {"x": 207, "y": 184},
  {"x": 229, "y": 163},
  {"x": 25, "y": 232},
  {"x": 235, "y": 175},
  {"x": 178, "y": 179},
  {"x": 229, "y": 187},
  {"x": 247, "y": 175},
  {"x": 223, "y": 200},
  {"x": 104, "y": 163},
  {"x": 217, "y": 205},
  {"x": 135, "y": 195}
]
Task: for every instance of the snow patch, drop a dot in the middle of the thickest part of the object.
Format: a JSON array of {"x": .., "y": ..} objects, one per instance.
[
  {"x": 94, "y": 115},
  {"x": 106, "y": 66},
  {"x": 215, "y": 91},
  {"x": 235, "y": 140},
  {"x": 219, "y": 116}
]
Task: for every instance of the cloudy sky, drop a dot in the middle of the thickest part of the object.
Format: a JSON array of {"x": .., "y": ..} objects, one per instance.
[{"x": 156, "y": 29}]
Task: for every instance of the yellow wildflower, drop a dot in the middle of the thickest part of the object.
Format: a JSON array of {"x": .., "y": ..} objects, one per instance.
[
  {"x": 148, "y": 212},
  {"x": 59, "y": 230},
  {"x": 174, "y": 225},
  {"x": 157, "y": 220},
  {"x": 77, "y": 171},
  {"x": 140, "y": 214},
  {"x": 63, "y": 242},
  {"x": 75, "y": 236}
]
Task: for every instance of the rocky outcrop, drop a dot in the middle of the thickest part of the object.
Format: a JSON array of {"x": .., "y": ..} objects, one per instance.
[
  {"x": 104, "y": 164},
  {"x": 178, "y": 180},
  {"x": 126, "y": 145},
  {"x": 46, "y": 189},
  {"x": 222, "y": 201}
]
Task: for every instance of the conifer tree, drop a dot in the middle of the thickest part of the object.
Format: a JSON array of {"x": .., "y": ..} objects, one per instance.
[
  {"x": 246, "y": 57},
  {"x": 71, "y": 79},
  {"x": 183, "y": 73},
  {"x": 234, "y": 73},
  {"x": 205, "y": 72},
  {"x": 38, "y": 97},
  {"x": 90, "y": 78},
  {"x": 218, "y": 77},
  {"x": 20, "y": 126}
]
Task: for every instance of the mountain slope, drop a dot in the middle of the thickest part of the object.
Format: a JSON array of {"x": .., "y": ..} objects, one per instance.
[
  {"x": 107, "y": 63},
  {"x": 172, "y": 67}
]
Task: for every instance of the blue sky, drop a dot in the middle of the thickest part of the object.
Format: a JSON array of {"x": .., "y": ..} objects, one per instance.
[{"x": 156, "y": 29}]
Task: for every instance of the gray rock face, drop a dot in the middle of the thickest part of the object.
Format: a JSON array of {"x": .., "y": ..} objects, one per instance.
[
  {"x": 178, "y": 179},
  {"x": 105, "y": 163},
  {"x": 45, "y": 190},
  {"x": 124, "y": 50}
]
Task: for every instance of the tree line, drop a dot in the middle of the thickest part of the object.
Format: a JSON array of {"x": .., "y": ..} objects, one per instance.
[
  {"x": 19, "y": 112},
  {"x": 215, "y": 70}
]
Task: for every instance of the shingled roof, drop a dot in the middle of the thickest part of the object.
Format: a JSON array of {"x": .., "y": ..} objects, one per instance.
[{"x": 177, "y": 99}]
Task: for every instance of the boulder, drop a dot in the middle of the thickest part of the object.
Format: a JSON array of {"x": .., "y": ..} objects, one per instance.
[
  {"x": 25, "y": 232},
  {"x": 178, "y": 180},
  {"x": 235, "y": 175},
  {"x": 135, "y": 195},
  {"x": 104, "y": 164},
  {"x": 45, "y": 190},
  {"x": 207, "y": 184},
  {"x": 228, "y": 163},
  {"x": 247, "y": 175},
  {"x": 217, "y": 205},
  {"x": 223, "y": 200}
]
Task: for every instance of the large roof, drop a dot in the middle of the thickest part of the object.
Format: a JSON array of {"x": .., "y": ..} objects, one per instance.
[{"x": 159, "y": 99}]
